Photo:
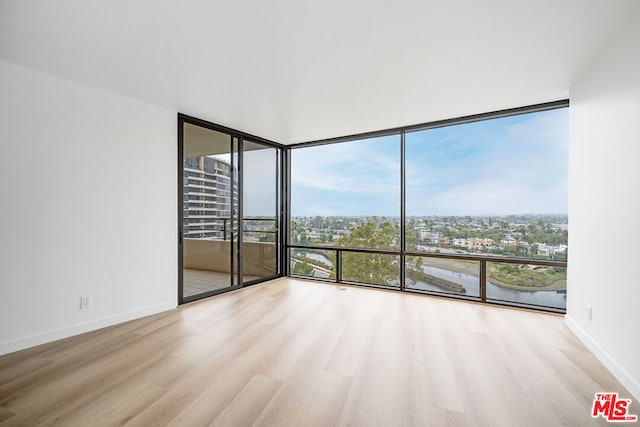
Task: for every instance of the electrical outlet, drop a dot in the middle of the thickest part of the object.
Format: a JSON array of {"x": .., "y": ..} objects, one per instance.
[
  {"x": 85, "y": 302},
  {"x": 589, "y": 312}
]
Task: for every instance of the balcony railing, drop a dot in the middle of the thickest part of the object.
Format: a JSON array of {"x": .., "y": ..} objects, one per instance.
[
  {"x": 515, "y": 281},
  {"x": 223, "y": 225}
]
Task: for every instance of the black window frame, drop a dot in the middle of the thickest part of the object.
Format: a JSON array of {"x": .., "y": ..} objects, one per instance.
[
  {"x": 240, "y": 137},
  {"x": 403, "y": 252},
  {"x": 285, "y": 246}
]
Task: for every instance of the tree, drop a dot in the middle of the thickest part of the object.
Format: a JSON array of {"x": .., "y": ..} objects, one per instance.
[
  {"x": 375, "y": 268},
  {"x": 371, "y": 235},
  {"x": 317, "y": 222},
  {"x": 294, "y": 232},
  {"x": 302, "y": 268},
  {"x": 411, "y": 235},
  {"x": 429, "y": 223}
]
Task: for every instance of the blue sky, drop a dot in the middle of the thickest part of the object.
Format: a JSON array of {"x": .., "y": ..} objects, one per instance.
[{"x": 511, "y": 165}]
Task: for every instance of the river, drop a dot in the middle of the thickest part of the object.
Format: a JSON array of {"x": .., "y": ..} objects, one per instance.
[
  {"x": 494, "y": 292},
  {"x": 472, "y": 285}
]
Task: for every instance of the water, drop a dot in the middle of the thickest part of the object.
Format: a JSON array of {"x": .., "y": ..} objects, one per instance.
[
  {"x": 472, "y": 285},
  {"x": 316, "y": 257},
  {"x": 545, "y": 298},
  {"x": 494, "y": 292}
]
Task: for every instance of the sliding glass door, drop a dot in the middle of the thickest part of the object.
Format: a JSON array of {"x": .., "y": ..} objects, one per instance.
[
  {"x": 209, "y": 211},
  {"x": 260, "y": 221},
  {"x": 229, "y": 210}
]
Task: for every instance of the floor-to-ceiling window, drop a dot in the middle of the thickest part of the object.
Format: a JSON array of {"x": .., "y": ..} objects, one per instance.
[
  {"x": 494, "y": 188},
  {"x": 229, "y": 209},
  {"x": 347, "y": 195},
  {"x": 473, "y": 208}
]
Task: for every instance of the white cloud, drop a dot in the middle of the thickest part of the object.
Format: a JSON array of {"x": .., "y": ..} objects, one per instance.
[{"x": 513, "y": 165}]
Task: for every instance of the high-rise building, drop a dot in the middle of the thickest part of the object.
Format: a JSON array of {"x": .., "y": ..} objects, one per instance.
[{"x": 207, "y": 198}]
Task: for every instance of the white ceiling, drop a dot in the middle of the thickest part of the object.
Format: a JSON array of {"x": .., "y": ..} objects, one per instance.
[{"x": 296, "y": 70}]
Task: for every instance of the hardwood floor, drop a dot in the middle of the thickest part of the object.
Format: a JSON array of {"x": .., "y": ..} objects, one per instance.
[{"x": 294, "y": 353}]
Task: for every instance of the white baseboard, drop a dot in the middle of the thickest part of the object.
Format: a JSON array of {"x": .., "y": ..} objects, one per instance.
[
  {"x": 79, "y": 328},
  {"x": 616, "y": 370}
]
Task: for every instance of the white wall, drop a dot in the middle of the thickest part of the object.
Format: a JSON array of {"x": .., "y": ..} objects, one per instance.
[
  {"x": 88, "y": 193},
  {"x": 604, "y": 208}
]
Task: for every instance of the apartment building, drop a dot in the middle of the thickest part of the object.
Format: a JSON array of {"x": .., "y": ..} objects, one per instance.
[{"x": 207, "y": 198}]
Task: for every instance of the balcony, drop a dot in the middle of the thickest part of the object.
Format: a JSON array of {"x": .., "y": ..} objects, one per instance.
[{"x": 207, "y": 264}]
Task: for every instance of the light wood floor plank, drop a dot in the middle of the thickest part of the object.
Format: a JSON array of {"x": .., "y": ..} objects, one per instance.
[
  {"x": 304, "y": 353},
  {"x": 245, "y": 408}
]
